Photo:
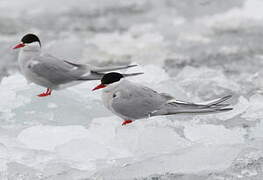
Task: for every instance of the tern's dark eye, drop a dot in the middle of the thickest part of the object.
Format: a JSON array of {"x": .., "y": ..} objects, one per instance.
[{"x": 114, "y": 95}]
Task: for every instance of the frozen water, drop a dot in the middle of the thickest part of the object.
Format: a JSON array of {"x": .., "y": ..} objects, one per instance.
[
  {"x": 195, "y": 50},
  {"x": 205, "y": 158},
  {"x": 48, "y": 137},
  {"x": 83, "y": 143}
]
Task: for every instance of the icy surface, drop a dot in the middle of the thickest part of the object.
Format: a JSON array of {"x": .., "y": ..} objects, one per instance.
[
  {"x": 195, "y": 50},
  {"x": 36, "y": 135}
]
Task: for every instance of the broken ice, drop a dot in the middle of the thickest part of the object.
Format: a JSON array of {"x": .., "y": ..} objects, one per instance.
[{"x": 194, "y": 50}]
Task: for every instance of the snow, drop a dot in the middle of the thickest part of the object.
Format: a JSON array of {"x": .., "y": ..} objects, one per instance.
[{"x": 193, "y": 50}]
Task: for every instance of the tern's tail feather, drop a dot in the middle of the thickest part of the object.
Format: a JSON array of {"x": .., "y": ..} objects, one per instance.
[
  {"x": 100, "y": 69},
  {"x": 188, "y": 111},
  {"x": 218, "y": 102},
  {"x": 96, "y": 73},
  {"x": 189, "y": 105},
  {"x": 182, "y": 107},
  {"x": 113, "y": 68}
]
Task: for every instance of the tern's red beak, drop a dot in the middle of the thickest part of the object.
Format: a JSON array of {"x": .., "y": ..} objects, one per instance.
[
  {"x": 99, "y": 87},
  {"x": 19, "y": 46}
]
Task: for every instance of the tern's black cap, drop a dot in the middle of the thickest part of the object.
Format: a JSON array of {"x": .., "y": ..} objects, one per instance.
[
  {"x": 111, "y": 78},
  {"x": 30, "y": 38}
]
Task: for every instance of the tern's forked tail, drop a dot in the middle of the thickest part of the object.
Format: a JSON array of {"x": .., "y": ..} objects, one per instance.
[
  {"x": 182, "y": 107},
  {"x": 96, "y": 73}
]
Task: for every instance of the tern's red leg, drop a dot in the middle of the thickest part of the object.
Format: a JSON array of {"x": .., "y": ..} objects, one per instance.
[
  {"x": 126, "y": 122},
  {"x": 47, "y": 93}
]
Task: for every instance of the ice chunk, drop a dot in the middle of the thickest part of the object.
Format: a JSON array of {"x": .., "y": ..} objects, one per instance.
[
  {"x": 255, "y": 108},
  {"x": 9, "y": 98},
  {"x": 85, "y": 152},
  {"x": 107, "y": 139},
  {"x": 52, "y": 105},
  {"x": 48, "y": 137},
  {"x": 205, "y": 82},
  {"x": 214, "y": 134},
  {"x": 19, "y": 171},
  {"x": 202, "y": 158},
  {"x": 139, "y": 138},
  {"x": 62, "y": 171},
  {"x": 4, "y": 159},
  {"x": 248, "y": 164},
  {"x": 20, "y": 104},
  {"x": 147, "y": 139},
  {"x": 204, "y": 73},
  {"x": 256, "y": 132}
]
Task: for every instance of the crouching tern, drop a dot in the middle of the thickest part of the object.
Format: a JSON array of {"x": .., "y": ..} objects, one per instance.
[
  {"x": 54, "y": 73},
  {"x": 131, "y": 101}
]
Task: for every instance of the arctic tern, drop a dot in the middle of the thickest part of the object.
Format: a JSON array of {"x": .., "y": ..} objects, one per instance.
[
  {"x": 131, "y": 101},
  {"x": 54, "y": 73}
]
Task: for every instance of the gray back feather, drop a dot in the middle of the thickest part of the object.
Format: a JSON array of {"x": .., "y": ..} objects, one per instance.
[
  {"x": 55, "y": 70},
  {"x": 135, "y": 101}
]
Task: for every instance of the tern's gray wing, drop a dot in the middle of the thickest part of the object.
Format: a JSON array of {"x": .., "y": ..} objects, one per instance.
[
  {"x": 55, "y": 70},
  {"x": 134, "y": 101}
]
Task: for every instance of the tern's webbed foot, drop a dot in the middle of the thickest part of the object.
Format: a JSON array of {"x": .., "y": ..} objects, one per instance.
[
  {"x": 47, "y": 93},
  {"x": 126, "y": 122},
  {"x": 43, "y": 94}
]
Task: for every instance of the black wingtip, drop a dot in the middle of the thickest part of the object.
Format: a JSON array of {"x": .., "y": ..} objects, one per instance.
[
  {"x": 227, "y": 97},
  {"x": 132, "y": 65},
  {"x": 219, "y": 101},
  {"x": 133, "y": 74},
  {"x": 225, "y": 109}
]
